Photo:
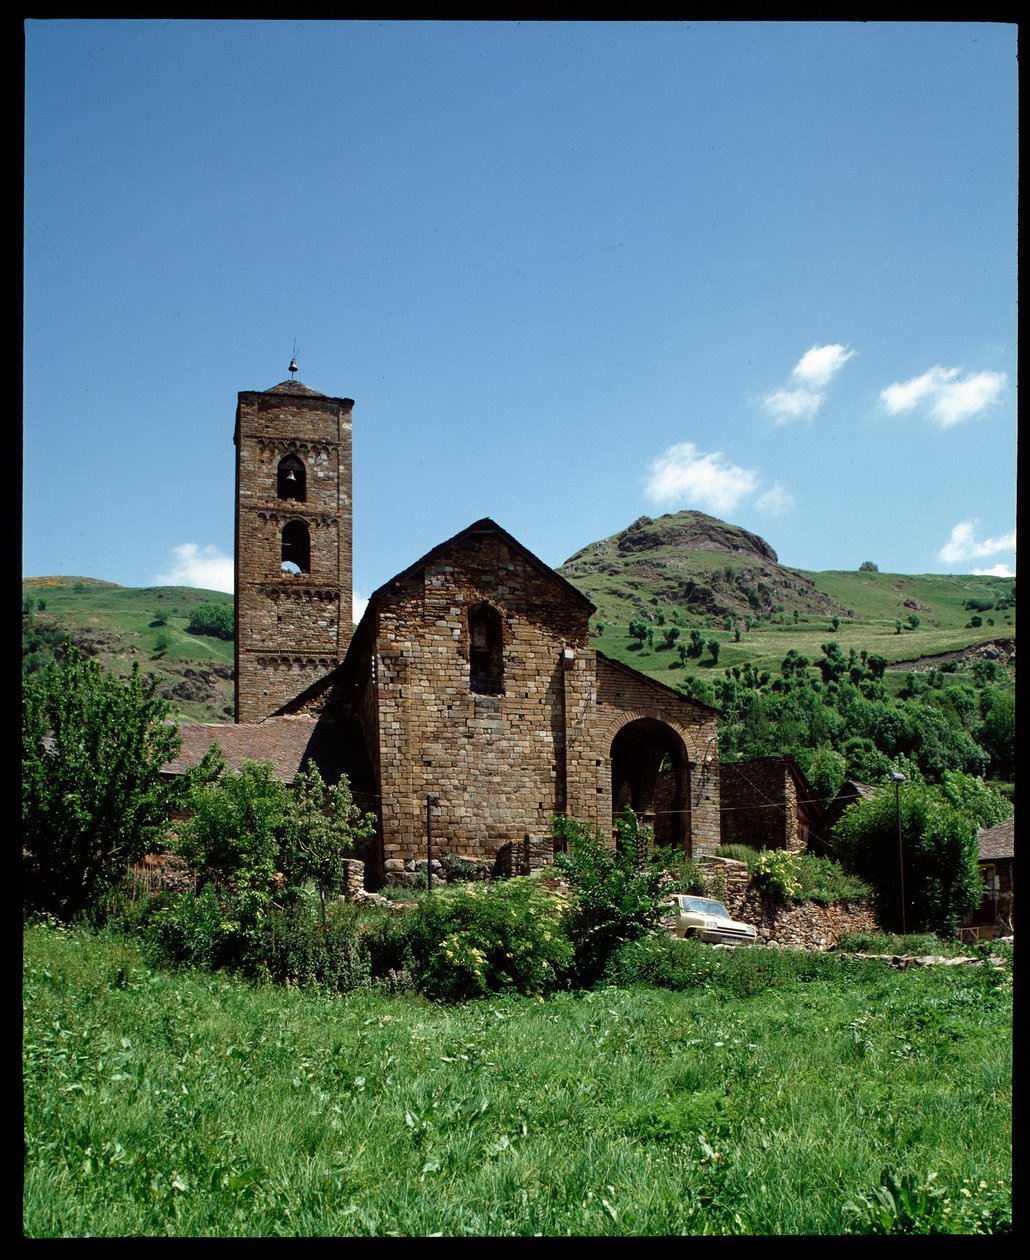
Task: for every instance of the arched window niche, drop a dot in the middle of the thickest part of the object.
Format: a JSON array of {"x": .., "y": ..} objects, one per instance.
[
  {"x": 292, "y": 479},
  {"x": 486, "y": 651},
  {"x": 296, "y": 549}
]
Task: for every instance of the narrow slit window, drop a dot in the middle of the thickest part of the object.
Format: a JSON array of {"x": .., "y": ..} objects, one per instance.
[{"x": 486, "y": 651}]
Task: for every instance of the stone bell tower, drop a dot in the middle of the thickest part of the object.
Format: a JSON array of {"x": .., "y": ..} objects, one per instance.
[{"x": 293, "y": 543}]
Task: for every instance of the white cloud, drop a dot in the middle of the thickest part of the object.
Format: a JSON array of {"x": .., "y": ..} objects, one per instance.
[
  {"x": 963, "y": 545},
  {"x": 793, "y": 404},
  {"x": 818, "y": 366},
  {"x": 810, "y": 375},
  {"x": 699, "y": 480},
  {"x": 999, "y": 570},
  {"x": 359, "y": 603},
  {"x": 777, "y": 500},
  {"x": 206, "y": 567},
  {"x": 950, "y": 400}
]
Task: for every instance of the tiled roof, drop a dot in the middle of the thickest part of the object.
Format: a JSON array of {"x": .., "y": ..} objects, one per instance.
[
  {"x": 290, "y": 743},
  {"x": 294, "y": 387},
  {"x": 999, "y": 841}
]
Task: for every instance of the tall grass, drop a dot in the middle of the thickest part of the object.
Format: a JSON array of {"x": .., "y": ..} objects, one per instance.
[{"x": 799, "y": 1102}]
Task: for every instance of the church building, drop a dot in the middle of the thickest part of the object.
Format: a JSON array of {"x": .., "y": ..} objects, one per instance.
[{"x": 469, "y": 691}]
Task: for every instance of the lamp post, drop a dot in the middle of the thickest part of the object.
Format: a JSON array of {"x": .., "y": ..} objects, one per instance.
[{"x": 898, "y": 779}]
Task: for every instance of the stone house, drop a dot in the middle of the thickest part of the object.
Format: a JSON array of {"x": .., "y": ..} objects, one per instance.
[
  {"x": 848, "y": 792},
  {"x": 994, "y": 915},
  {"x": 469, "y": 688},
  {"x": 768, "y": 803}
]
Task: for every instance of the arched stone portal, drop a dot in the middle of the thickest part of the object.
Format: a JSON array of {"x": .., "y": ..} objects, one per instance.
[{"x": 650, "y": 773}]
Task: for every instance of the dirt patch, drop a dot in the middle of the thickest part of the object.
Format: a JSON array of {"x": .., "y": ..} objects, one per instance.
[{"x": 1001, "y": 650}]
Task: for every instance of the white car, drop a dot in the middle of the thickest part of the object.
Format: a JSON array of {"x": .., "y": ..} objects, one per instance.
[{"x": 703, "y": 919}]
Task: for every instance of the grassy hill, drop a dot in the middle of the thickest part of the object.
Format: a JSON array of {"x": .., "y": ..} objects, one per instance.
[
  {"x": 694, "y": 572},
  {"x": 684, "y": 570},
  {"x": 119, "y": 625}
]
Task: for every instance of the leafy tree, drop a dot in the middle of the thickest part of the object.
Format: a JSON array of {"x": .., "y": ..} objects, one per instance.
[
  {"x": 669, "y": 636},
  {"x": 93, "y": 799},
  {"x": 260, "y": 841},
  {"x": 867, "y": 566},
  {"x": 713, "y": 646},
  {"x": 235, "y": 833},
  {"x": 997, "y": 731},
  {"x": 826, "y": 770},
  {"x": 322, "y": 827},
  {"x": 975, "y": 798},
  {"x": 914, "y": 620},
  {"x": 939, "y": 847},
  {"x": 697, "y": 643},
  {"x": 215, "y": 620}
]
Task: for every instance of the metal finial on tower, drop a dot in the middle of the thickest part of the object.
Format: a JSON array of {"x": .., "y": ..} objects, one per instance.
[{"x": 293, "y": 362}]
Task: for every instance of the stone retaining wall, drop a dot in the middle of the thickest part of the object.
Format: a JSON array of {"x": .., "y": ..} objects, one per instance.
[{"x": 792, "y": 924}]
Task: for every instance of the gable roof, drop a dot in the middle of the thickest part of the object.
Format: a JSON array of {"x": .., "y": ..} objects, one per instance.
[
  {"x": 484, "y": 526},
  {"x": 998, "y": 842},
  {"x": 611, "y": 663}
]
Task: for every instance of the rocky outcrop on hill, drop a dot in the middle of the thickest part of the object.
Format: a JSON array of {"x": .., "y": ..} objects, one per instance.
[{"x": 693, "y": 561}]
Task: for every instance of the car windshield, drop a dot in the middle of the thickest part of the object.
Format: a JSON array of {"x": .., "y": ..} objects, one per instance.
[{"x": 702, "y": 905}]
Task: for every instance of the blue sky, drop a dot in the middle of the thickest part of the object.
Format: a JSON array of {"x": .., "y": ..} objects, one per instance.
[{"x": 571, "y": 273}]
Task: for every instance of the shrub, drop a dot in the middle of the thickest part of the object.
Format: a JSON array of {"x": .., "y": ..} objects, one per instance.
[
  {"x": 798, "y": 876},
  {"x": 662, "y": 962},
  {"x": 194, "y": 930},
  {"x": 614, "y": 900},
  {"x": 327, "y": 951},
  {"x": 674, "y": 865},
  {"x": 506, "y": 936}
]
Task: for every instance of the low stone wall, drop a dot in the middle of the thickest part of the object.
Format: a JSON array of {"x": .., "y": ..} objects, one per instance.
[
  {"x": 792, "y": 924},
  {"x": 521, "y": 857}
]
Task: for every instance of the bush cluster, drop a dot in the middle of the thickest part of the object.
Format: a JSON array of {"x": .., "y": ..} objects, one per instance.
[
  {"x": 508, "y": 936},
  {"x": 215, "y": 620},
  {"x": 798, "y": 876}
]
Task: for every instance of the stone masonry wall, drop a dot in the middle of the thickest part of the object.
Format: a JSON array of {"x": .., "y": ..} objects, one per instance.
[
  {"x": 291, "y": 629},
  {"x": 491, "y": 762},
  {"x": 759, "y": 805},
  {"x": 797, "y": 925},
  {"x": 623, "y": 696}
]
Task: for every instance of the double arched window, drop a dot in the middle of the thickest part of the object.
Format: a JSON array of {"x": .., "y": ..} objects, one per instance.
[{"x": 486, "y": 651}]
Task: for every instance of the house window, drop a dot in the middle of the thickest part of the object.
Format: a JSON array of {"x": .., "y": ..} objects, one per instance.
[
  {"x": 296, "y": 550},
  {"x": 292, "y": 479},
  {"x": 486, "y": 651}
]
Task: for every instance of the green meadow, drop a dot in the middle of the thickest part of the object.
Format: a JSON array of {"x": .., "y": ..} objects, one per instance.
[{"x": 756, "y": 1093}]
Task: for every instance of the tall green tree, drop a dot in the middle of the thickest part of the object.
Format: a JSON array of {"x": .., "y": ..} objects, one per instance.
[
  {"x": 93, "y": 799},
  {"x": 938, "y": 855}
]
